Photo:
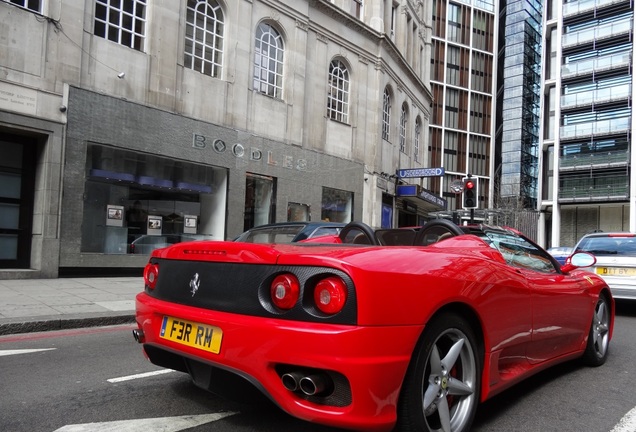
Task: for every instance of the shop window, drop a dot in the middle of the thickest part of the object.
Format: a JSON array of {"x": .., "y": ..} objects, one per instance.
[
  {"x": 260, "y": 200},
  {"x": 135, "y": 203},
  {"x": 297, "y": 212},
  {"x": 337, "y": 205}
]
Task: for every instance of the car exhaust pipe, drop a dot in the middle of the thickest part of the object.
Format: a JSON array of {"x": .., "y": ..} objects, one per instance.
[
  {"x": 312, "y": 385},
  {"x": 291, "y": 380},
  {"x": 138, "y": 334}
]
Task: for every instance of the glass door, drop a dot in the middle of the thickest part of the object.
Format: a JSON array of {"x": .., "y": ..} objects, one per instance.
[{"x": 17, "y": 177}]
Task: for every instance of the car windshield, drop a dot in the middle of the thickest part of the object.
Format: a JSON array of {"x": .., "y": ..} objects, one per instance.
[
  {"x": 621, "y": 246},
  {"x": 279, "y": 234}
]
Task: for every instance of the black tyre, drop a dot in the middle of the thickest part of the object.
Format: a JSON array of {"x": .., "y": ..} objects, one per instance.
[
  {"x": 442, "y": 385},
  {"x": 598, "y": 339}
]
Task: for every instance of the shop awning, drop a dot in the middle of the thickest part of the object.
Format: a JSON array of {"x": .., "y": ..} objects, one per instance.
[{"x": 420, "y": 197}]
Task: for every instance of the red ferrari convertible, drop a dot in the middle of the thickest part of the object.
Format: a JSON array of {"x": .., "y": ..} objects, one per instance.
[{"x": 405, "y": 329}]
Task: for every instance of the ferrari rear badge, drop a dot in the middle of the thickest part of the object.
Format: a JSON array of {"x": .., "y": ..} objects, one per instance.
[{"x": 194, "y": 284}]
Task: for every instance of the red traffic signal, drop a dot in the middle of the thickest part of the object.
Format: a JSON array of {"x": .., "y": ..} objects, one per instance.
[{"x": 470, "y": 197}]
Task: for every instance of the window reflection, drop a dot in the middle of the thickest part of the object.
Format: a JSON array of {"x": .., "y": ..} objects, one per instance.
[{"x": 142, "y": 189}]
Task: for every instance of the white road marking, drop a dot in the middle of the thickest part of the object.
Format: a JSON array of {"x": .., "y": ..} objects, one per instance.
[
  {"x": 141, "y": 375},
  {"x": 22, "y": 351},
  {"x": 627, "y": 423},
  {"x": 163, "y": 424}
]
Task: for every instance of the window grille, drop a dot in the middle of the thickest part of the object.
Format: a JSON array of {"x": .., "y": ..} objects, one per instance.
[
  {"x": 204, "y": 37},
  {"x": 403, "y": 121},
  {"x": 356, "y": 8},
  {"x": 268, "y": 61},
  {"x": 416, "y": 142},
  {"x": 386, "y": 114},
  {"x": 121, "y": 21},
  {"x": 32, "y": 5},
  {"x": 338, "y": 92}
]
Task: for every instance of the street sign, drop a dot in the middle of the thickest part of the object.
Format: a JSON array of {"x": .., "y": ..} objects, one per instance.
[{"x": 420, "y": 172}]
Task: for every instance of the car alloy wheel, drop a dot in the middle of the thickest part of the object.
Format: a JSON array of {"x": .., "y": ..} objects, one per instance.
[
  {"x": 598, "y": 339},
  {"x": 441, "y": 389}
]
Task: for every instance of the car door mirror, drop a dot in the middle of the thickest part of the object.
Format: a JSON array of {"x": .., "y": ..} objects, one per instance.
[{"x": 578, "y": 260}]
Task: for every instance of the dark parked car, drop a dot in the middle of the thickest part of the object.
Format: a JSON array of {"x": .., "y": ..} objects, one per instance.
[
  {"x": 560, "y": 253},
  {"x": 289, "y": 232}
]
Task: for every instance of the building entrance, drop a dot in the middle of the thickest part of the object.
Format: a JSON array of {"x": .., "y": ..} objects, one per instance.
[{"x": 17, "y": 179}]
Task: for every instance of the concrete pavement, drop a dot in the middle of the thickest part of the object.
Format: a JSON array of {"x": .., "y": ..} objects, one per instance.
[{"x": 30, "y": 305}]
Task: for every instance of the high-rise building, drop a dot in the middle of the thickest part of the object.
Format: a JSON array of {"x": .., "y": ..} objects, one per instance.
[
  {"x": 463, "y": 65},
  {"x": 518, "y": 109},
  {"x": 586, "y": 158}
]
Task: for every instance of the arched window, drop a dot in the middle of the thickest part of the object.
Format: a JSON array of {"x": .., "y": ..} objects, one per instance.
[
  {"x": 386, "y": 114},
  {"x": 204, "y": 37},
  {"x": 268, "y": 61},
  {"x": 403, "y": 120},
  {"x": 416, "y": 141},
  {"x": 338, "y": 92}
]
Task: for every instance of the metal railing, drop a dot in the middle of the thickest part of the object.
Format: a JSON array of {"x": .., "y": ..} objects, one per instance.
[
  {"x": 573, "y": 8},
  {"x": 597, "y": 33},
  {"x": 593, "y": 159},
  {"x": 598, "y": 64},
  {"x": 596, "y": 193},
  {"x": 597, "y": 96},
  {"x": 598, "y": 128}
]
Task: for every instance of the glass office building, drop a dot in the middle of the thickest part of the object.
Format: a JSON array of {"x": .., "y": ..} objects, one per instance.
[
  {"x": 518, "y": 105},
  {"x": 586, "y": 120}
]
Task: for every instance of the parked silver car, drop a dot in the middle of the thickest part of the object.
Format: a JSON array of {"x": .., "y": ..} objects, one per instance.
[{"x": 615, "y": 260}]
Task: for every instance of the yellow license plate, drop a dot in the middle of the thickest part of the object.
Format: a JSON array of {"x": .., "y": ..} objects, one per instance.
[
  {"x": 615, "y": 271},
  {"x": 192, "y": 334}
]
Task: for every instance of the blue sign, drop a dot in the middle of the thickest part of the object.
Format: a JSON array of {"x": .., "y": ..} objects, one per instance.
[
  {"x": 414, "y": 191},
  {"x": 420, "y": 172}
]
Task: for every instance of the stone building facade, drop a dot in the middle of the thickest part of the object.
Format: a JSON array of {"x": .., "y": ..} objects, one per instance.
[{"x": 134, "y": 124}]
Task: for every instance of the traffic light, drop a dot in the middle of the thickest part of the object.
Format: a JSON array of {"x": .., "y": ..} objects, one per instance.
[{"x": 471, "y": 196}]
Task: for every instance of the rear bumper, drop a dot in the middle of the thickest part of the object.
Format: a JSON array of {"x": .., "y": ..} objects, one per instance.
[
  {"x": 368, "y": 362},
  {"x": 625, "y": 293},
  {"x": 622, "y": 287}
]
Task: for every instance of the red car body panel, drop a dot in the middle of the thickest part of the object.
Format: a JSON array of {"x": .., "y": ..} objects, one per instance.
[
  {"x": 526, "y": 320},
  {"x": 253, "y": 347}
]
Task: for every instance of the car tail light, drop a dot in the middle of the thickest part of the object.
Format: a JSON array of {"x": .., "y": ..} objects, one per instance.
[
  {"x": 284, "y": 291},
  {"x": 151, "y": 274},
  {"x": 330, "y": 295}
]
